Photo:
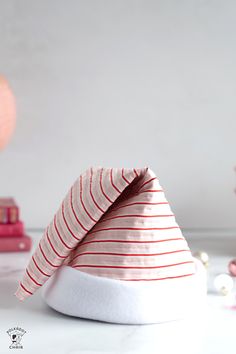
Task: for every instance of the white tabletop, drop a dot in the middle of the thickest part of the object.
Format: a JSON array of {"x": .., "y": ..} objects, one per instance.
[{"x": 50, "y": 332}]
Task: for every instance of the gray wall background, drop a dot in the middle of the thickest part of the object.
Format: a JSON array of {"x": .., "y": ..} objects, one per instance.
[{"x": 122, "y": 83}]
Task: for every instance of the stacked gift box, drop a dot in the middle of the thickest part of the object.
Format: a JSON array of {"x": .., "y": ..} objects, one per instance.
[{"x": 12, "y": 230}]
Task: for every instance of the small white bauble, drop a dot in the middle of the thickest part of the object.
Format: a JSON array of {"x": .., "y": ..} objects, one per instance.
[
  {"x": 203, "y": 257},
  {"x": 223, "y": 284}
]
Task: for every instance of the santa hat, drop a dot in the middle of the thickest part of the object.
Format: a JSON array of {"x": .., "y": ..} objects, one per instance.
[{"x": 114, "y": 252}]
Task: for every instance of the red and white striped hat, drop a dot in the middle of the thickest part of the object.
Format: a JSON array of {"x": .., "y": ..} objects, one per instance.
[{"x": 114, "y": 252}]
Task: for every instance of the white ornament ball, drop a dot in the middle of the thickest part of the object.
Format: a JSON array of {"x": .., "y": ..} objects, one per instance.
[
  {"x": 203, "y": 257},
  {"x": 224, "y": 284}
]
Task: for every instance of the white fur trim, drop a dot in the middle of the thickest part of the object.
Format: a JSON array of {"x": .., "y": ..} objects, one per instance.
[{"x": 83, "y": 295}]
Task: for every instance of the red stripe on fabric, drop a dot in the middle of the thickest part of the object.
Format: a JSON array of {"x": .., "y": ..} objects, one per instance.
[
  {"x": 135, "y": 229},
  {"x": 24, "y": 288},
  {"x": 112, "y": 183},
  {"x": 67, "y": 225},
  {"x": 125, "y": 179},
  {"x": 139, "y": 203},
  {"x": 131, "y": 241},
  {"x": 47, "y": 275},
  {"x": 54, "y": 221},
  {"x": 152, "y": 191},
  {"x": 91, "y": 193},
  {"x": 72, "y": 208},
  {"x": 53, "y": 247},
  {"x": 144, "y": 184},
  {"x": 127, "y": 267},
  {"x": 177, "y": 276},
  {"x": 47, "y": 260},
  {"x": 32, "y": 278},
  {"x": 136, "y": 216},
  {"x": 81, "y": 200},
  {"x": 126, "y": 254},
  {"x": 136, "y": 173},
  {"x": 101, "y": 173}
]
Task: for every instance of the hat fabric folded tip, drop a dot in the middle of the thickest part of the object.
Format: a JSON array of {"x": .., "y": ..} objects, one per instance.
[
  {"x": 20, "y": 294},
  {"x": 114, "y": 226}
]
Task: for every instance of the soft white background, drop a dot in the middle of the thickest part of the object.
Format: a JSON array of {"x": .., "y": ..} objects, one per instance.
[{"x": 122, "y": 83}]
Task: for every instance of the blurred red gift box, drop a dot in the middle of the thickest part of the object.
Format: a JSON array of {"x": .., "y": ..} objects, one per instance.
[{"x": 12, "y": 231}]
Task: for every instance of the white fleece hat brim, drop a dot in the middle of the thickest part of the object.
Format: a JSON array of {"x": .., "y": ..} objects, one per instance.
[{"x": 79, "y": 294}]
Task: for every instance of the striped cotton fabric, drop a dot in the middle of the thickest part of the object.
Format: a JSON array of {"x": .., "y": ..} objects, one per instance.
[{"x": 113, "y": 223}]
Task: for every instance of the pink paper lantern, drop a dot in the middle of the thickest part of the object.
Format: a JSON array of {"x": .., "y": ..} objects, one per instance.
[{"x": 7, "y": 113}]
